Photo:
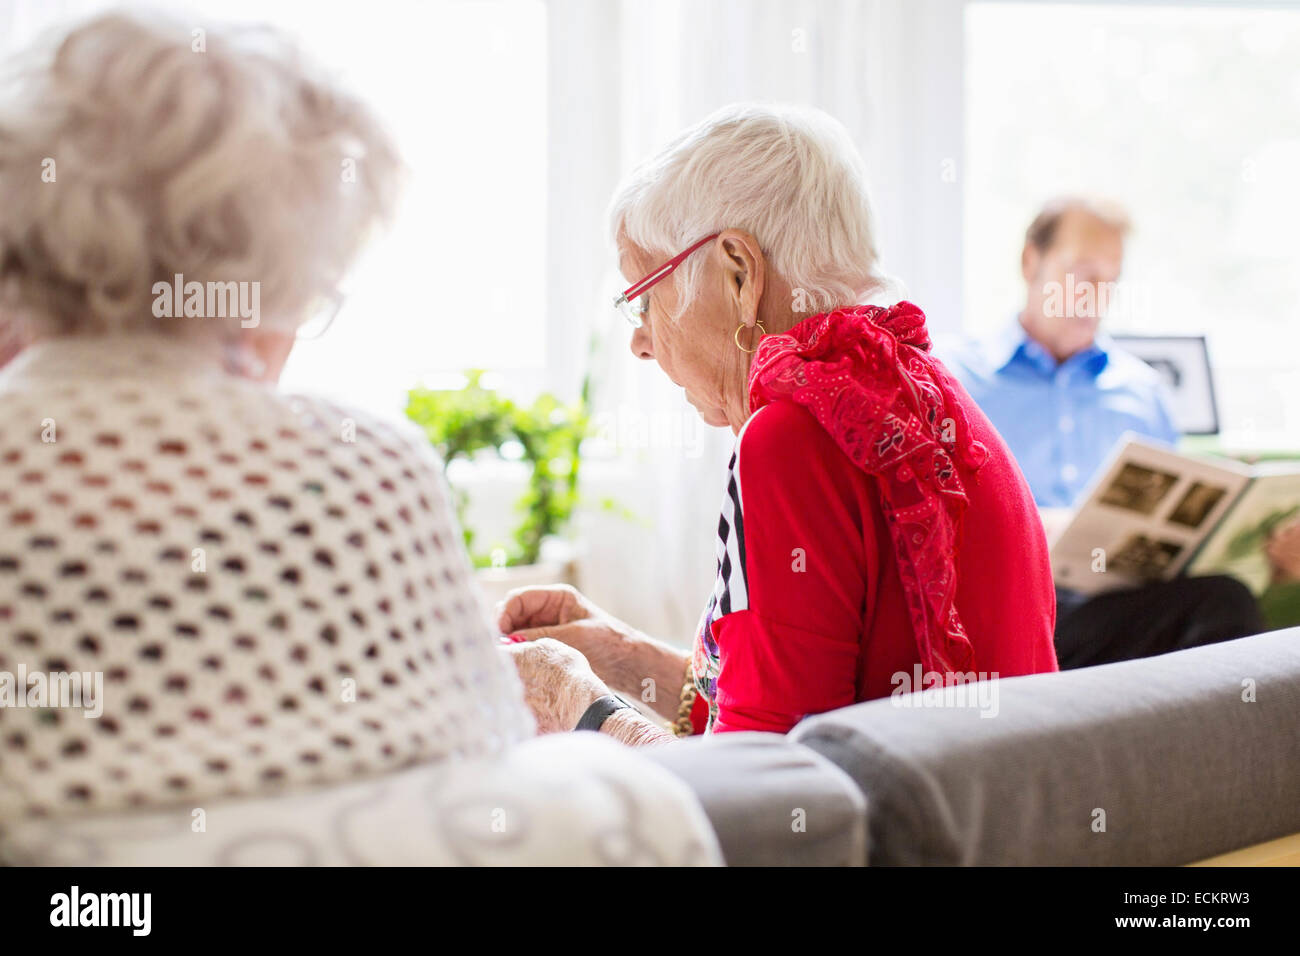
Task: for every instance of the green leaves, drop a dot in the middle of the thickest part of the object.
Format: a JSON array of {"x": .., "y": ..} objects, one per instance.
[{"x": 461, "y": 424}]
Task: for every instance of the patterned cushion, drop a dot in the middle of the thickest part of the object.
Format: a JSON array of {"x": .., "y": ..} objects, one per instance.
[{"x": 572, "y": 799}]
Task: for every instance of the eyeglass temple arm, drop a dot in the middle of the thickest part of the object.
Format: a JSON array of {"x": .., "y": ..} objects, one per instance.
[{"x": 665, "y": 270}]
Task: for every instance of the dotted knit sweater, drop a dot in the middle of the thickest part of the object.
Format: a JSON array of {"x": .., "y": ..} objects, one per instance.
[{"x": 272, "y": 588}]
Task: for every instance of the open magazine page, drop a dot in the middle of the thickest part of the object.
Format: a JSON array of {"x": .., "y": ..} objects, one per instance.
[
  {"x": 1144, "y": 517},
  {"x": 1259, "y": 543}
]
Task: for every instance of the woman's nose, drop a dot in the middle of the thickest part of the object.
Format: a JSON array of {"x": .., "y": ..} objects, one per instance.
[{"x": 641, "y": 343}]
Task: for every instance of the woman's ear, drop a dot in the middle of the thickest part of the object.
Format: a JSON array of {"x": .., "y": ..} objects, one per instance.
[
  {"x": 259, "y": 355},
  {"x": 273, "y": 349},
  {"x": 744, "y": 270},
  {"x": 14, "y": 337}
]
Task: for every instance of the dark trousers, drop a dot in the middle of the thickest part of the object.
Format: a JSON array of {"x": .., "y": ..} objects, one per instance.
[{"x": 1154, "y": 619}]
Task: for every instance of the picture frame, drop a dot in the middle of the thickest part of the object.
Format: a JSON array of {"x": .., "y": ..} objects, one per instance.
[{"x": 1183, "y": 361}]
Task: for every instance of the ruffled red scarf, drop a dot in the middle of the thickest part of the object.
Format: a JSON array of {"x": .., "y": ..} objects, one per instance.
[{"x": 867, "y": 375}]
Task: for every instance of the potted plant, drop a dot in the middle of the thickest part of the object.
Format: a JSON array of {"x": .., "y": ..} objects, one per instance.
[{"x": 474, "y": 423}]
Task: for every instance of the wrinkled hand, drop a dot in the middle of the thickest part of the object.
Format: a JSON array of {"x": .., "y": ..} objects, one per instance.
[
  {"x": 1283, "y": 551},
  {"x": 561, "y": 612},
  {"x": 559, "y": 685}
]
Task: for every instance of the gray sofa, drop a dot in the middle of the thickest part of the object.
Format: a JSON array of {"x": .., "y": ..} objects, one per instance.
[{"x": 1162, "y": 761}]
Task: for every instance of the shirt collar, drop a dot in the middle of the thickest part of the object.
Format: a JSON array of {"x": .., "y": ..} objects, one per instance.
[
  {"x": 1009, "y": 345},
  {"x": 1014, "y": 344}
]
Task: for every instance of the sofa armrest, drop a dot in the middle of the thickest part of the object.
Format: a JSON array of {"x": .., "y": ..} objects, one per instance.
[
  {"x": 772, "y": 802},
  {"x": 1153, "y": 762}
]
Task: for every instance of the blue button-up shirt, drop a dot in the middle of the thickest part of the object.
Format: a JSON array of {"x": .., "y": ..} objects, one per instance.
[{"x": 1062, "y": 420}]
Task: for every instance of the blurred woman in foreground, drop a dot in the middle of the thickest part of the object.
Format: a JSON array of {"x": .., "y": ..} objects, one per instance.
[{"x": 257, "y": 595}]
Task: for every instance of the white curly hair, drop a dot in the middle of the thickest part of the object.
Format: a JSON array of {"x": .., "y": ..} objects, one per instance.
[
  {"x": 132, "y": 151},
  {"x": 790, "y": 176}
]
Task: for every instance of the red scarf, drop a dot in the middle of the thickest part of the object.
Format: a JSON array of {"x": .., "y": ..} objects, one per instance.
[{"x": 867, "y": 375}]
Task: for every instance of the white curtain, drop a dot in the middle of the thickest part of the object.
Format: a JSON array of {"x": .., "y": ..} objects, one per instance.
[{"x": 626, "y": 76}]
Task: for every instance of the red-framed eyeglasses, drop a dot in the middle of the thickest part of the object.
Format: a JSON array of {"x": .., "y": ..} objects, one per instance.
[{"x": 635, "y": 299}]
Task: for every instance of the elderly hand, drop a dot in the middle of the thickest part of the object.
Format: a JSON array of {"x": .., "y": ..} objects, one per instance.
[
  {"x": 1283, "y": 551},
  {"x": 627, "y": 660},
  {"x": 559, "y": 685},
  {"x": 559, "y": 611}
]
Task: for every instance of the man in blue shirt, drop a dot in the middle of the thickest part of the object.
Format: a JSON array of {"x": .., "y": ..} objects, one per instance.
[
  {"x": 1059, "y": 391},
  {"x": 1062, "y": 417},
  {"x": 1061, "y": 394}
]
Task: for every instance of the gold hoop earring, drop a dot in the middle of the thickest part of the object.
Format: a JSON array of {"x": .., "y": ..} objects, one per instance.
[{"x": 762, "y": 331}]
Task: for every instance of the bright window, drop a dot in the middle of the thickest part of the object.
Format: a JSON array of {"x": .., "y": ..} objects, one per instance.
[
  {"x": 1190, "y": 116},
  {"x": 459, "y": 280}
]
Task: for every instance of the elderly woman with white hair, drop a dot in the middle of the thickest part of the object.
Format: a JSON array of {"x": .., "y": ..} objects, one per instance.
[
  {"x": 260, "y": 603},
  {"x": 876, "y": 535}
]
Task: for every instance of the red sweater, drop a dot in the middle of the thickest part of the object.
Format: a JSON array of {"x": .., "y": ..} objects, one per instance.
[{"x": 808, "y": 613}]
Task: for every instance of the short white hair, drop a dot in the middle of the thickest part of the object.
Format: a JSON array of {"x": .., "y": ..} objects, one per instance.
[
  {"x": 224, "y": 164},
  {"x": 790, "y": 176}
]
